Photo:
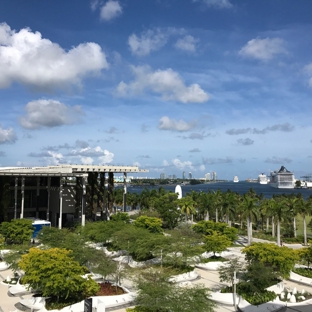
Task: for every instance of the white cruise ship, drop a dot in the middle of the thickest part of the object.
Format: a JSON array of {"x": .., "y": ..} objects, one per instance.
[
  {"x": 262, "y": 179},
  {"x": 282, "y": 179},
  {"x": 235, "y": 179}
]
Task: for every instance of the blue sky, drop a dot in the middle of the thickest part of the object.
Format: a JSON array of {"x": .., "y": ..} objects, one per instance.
[{"x": 167, "y": 85}]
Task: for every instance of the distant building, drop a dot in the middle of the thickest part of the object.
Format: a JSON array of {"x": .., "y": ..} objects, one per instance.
[
  {"x": 214, "y": 176},
  {"x": 174, "y": 176},
  {"x": 190, "y": 176},
  {"x": 162, "y": 176},
  {"x": 207, "y": 176},
  {"x": 183, "y": 175}
]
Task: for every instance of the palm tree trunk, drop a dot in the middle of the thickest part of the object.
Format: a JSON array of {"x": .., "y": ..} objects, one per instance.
[
  {"x": 267, "y": 224},
  {"x": 295, "y": 227},
  {"x": 273, "y": 227},
  {"x": 216, "y": 214},
  {"x": 278, "y": 232},
  {"x": 249, "y": 224},
  {"x": 207, "y": 215},
  {"x": 305, "y": 231}
]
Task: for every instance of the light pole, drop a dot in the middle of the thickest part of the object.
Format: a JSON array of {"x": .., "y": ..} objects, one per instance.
[{"x": 234, "y": 294}]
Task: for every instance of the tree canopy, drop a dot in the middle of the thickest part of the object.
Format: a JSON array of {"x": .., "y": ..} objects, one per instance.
[{"x": 55, "y": 273}]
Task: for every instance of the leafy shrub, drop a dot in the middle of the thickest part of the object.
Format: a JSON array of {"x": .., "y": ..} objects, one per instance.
[{"x": 303, "y": 271}]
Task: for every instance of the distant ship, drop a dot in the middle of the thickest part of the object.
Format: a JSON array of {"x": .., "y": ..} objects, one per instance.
[
  {"x": 235, "y": 179},
  {"x": 262, "y": 179},
  {"x": 282, "y": 179}
]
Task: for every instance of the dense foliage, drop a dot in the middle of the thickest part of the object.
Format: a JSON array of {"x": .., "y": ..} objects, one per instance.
[
  {"x": 56, "y": 274},
  {"x": 18, "y": 231},
  {"x": 280, "y": 259}
]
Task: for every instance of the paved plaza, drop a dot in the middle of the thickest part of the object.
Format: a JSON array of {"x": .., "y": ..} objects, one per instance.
[{"x": 208, "y": 278}]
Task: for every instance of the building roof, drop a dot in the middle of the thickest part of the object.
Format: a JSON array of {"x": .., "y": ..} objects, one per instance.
[{"x": 67, "y": 170}]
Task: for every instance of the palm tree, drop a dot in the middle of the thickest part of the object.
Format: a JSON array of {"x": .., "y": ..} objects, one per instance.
[
  {"x": 250, "y": 207},
  {"x": 204, "y": 202},
  {"x": 217, "y": 202},
  {"x": 280, "y": 211},
  {"x": 230, "y": 202},
  {"x": 304, "y": 208},
  {"x": 187, "y": 206}
]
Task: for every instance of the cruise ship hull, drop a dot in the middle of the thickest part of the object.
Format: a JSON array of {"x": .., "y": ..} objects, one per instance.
[{"x": 282, "y": 186}]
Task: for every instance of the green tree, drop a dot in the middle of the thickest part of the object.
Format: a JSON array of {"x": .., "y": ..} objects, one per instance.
[
  {"x": 56, "y": 274},
  {"x": 228, "y": 270},
  {"x": 280, "y": 211},
  {"x": 281, "y": 259},
  {"x": 304, "y": 208},
  {"x": 152, "y": 224},
  {"x": 18, "y": 231},
  {"x": 167, "y": 207},
  {"x": 156, "y": 294},
  {"x": 121, "y": 216},
  {"x": 187, "y": 206},
  {"x": 216, "y": 242},
  {"x": 305, "y": 255},
  {"x": 250, "y": 210}
]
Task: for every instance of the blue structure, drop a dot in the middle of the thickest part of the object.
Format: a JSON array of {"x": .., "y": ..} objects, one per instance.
[{"x": 38, "y": 225}]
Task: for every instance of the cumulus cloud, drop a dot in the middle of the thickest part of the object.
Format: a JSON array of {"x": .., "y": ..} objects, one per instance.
[
  {"x": 263, "y": 49},
  {"x": 167, "y": 83},
  {"x": 2, "y": 153},
  {"x": 308, "y": 70},
  {"x": 213, "y": 161},
  {"x": 94, "y": 5},
  {"x": 218, "y": 4},
  {"x": 49, "y": 113},
  {"x": 150, "y": 40},
  {"x": 165, "y": 123},
  {"x": 50, "y": 157},
  {"x": 188, "y": 43},
  {"x": 7, "y": 135},
  {"x": 104, "y": 156},
  {"x": 246, "y": 141},
  {"x": 277, "y": 160},
  {"x": 181, "y": 165},
  {"x": 111, "y": 9},
  {"x": 286, "y": 127},
  {"x": 29, "y": 59}
]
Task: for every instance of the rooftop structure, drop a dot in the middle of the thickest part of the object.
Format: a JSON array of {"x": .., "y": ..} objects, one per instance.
[{"x": 59, "y": 193}]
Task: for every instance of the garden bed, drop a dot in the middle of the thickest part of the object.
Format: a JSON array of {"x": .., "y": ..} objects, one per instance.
[{"x": 108, "y": 289}]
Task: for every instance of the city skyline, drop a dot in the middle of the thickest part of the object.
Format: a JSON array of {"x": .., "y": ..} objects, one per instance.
[{"x": 165, "y": 85}]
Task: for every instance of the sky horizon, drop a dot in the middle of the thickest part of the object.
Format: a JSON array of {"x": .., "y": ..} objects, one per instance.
[{"x": 169, "y": 86}]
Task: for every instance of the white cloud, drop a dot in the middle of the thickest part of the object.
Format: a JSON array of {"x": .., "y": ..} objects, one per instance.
[
  {"x": 165, "y": 123},
  {"x": 188, "y": 43},
  {"x": 165, "y": 163},
  {"x": 219, "y": 4},
  {"x": 167, "y": 82},
  {"x": 49, "y": 113},
  {"x": 182, "y": 165},
  {"x": 27, "y": 58},
  {"x": 151, "y": 40},
  {"x": 86, "y": 160},
  {"x": 7, "y": 135},
  {"x": 110, "y": 10},
  {"x": 263, "y": 49},
  {"x": 94, "y": 4},
  {"x": 107, "y": 158},
  {"x": 54, "y": 158}
]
